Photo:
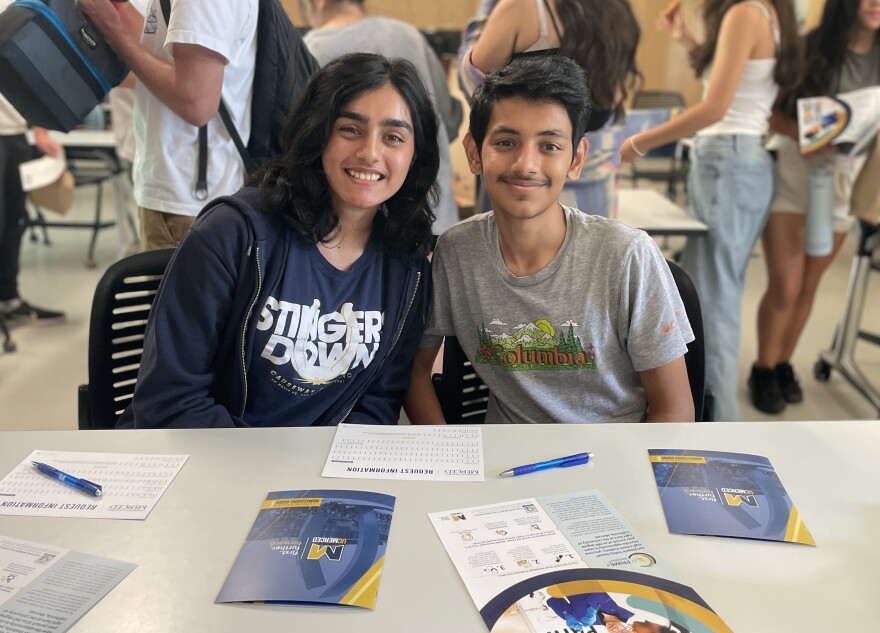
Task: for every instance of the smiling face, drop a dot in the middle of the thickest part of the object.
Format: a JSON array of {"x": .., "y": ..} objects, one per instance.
[
  {"x": 869, "y": 15},
  {"x": 526, "y": 157},
  {"x": 370, "y": 151}
]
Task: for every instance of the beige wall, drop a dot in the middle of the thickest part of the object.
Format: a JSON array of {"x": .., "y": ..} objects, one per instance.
[
  {"x": 663, "y": 63},
  {"x": 451, "y": 14}
]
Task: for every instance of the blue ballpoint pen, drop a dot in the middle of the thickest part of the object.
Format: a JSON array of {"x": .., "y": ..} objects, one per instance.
[
  {"x": 85, "y": 485},
  {"x": 562, "y": 462}
]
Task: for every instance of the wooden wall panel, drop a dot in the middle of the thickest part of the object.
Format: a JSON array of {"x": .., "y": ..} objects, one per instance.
[{"x": 663, "y": 63}]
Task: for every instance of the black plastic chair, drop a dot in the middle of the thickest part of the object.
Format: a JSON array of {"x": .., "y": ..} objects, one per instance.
[
  {"x": 89, "y": 167},
  {"x": 122, "y": 303},
  {"x": 695, "y": 359},
  {"x": 464, "y": 397}
]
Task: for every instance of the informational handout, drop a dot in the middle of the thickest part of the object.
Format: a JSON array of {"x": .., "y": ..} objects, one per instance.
[
  {"x": 47, "y": 589},
  {"x": 132, "y": 485},
  {"x": 849, "y": 121},
  {"x": 725, "y": 494},
  {"x": 314, "y": 547},
  {"x": 42, "y": 171},
  {"x": 546, "y": 563},
  {"x": 436, "y": 453}
]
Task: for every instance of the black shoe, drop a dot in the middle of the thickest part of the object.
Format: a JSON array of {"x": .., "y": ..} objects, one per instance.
[
  {"x": 766, "y": 392},
  {"x": 788, "y": 383},
  {"x": 26, "y": 313}
]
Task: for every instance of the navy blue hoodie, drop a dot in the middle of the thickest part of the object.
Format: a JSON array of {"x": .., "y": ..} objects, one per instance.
[{"x": 199, "y": 336}]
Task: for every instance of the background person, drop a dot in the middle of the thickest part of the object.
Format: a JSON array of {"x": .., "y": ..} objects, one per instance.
[
  {"x": 14, "y": 150},
  {"x": 207, "y": 49},
  {"x": 842, "y": 54},
  {"x": 751, "y": 50},
  {"x": 602, "y": 36},
  {"x": 313, "y": 282},
  {"x": 343, "y": 26}
]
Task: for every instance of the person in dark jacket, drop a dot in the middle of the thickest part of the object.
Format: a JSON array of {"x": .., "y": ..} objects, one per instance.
[{"x": 300, "y": 300}]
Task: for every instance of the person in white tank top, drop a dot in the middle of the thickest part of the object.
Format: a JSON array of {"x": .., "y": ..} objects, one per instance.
[
  {"x": 751, "y": 50},
  {"x": 842, "y": 54}
]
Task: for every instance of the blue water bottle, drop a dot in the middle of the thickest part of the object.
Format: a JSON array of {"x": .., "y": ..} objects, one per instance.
[{"x": 820, "y": 237}]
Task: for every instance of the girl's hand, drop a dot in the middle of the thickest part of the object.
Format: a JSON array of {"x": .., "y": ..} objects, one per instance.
[
  {"x": 677, "y": 28},
  {"x": 628, "y": 153}
]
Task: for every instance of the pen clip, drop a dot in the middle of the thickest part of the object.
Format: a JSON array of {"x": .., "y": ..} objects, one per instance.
[{"x": 574, "y": 462}]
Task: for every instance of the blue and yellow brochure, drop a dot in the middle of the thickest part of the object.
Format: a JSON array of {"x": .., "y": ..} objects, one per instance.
[
  {"x": 725, "y": 494},
  {"x": 313, "y": 547}
]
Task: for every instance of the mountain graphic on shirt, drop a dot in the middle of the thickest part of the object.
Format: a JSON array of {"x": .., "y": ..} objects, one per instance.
[{"x": 532, "y": 346}]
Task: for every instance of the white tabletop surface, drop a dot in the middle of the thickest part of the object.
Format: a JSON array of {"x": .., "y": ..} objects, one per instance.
[
  {"x": 98, "y": 139},
  {"x": 103, "y": 139},
  {"x": 186, "y": 547},
  {"x": 656, "y": 214}
]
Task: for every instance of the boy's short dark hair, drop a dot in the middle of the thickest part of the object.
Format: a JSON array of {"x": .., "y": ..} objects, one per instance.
[{"x": 545, "y": 78}]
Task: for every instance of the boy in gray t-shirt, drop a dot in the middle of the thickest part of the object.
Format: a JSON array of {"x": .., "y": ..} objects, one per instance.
[{"x": 566, "y": 317}]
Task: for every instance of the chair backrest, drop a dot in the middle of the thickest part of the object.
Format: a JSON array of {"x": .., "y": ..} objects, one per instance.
[
  {"x": 695, "y": 359},
  {"x": 120, "y": 309},
  {"x": 463, "y": 396},
  {"x": 652, "y": 99}
]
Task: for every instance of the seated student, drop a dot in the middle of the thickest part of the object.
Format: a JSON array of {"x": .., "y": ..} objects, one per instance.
[
  {"x": 566, "y": 317},
  {"x": 301, "y": 300}
]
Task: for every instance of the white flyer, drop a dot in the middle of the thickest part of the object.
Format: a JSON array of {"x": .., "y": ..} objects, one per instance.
[
  {"x": 132, "y": 485},
  {"x": 47, "y": 589},
  {"x": 41, "y": 172},
  {"x": 430, "y": 453},
  {"x": 565, "y": 563}
]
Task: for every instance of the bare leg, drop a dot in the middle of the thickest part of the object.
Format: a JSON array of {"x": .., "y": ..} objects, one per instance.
[
  {"x": 813, "y": 269},
  {"x": 783, "y": 241}
]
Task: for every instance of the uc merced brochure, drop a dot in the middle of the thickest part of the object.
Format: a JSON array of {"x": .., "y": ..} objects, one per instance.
[
  {"x": 566, "y": 563},
  {"x": 725, "y": 494},
  {"x": 313, "y": 546}
]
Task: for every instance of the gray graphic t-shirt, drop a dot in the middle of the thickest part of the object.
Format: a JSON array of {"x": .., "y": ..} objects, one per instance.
[{"x": 565, "y": 344}]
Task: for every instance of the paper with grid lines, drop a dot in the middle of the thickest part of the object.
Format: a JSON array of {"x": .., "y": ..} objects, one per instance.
[
  {"x": 431, "y": 453},
  {"x": 133, "y": 484}
]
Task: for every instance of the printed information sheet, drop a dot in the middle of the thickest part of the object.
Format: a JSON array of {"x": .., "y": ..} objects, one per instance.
[
  {"x": 725, "y": 494},
  {"x": 314, "y": 546},
  {"x": 436, "y": 453},
  {"x": 849, "y": 121},
  {"x": 133, "y": 484},
  {"x": 47, "y": 589},
  {"x": 547, "y": 563}
]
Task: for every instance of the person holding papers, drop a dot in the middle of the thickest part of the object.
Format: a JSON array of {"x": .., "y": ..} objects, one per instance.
[
  {"x": 566, "y": 317},
  {"x": 843, "y": 54},
  {"x": 301, "y": 299},
  {"x": 750, "y": 52}
]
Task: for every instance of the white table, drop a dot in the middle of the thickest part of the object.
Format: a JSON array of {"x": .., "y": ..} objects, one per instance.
[
  {"x": 656, "y": 214},
  {"x": 187, "y": 545}
]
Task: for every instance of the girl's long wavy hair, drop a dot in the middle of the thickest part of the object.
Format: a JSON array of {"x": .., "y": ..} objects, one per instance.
[
  {"x": 294, "y": 182},
  {"x": 602, "y": 37},
  {"x": 790, "y": 59}
]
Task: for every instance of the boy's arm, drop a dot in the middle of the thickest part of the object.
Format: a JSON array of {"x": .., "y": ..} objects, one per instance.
[
  {"x": 422, "y": 406},
  {"x": 668, "y": 392}
]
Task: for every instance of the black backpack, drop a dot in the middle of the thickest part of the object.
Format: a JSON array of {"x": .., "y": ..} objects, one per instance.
[{"x": 283, "y": 68}]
